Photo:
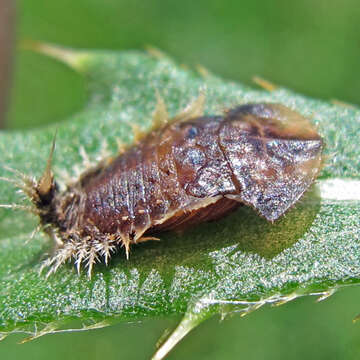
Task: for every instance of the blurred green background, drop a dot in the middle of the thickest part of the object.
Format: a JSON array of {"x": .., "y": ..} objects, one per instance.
[
  {"x": 302, "y": 329},
  {"x": 310, "y": 46}
]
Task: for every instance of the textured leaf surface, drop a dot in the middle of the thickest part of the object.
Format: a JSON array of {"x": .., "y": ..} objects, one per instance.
[{"x": 236, "y": 264}]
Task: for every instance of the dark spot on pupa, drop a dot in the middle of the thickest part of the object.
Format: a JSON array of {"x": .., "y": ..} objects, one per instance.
[{"x": 192, "y": 132}]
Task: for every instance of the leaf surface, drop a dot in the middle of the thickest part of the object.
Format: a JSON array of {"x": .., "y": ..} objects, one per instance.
[{"x": 236, "y": 264}]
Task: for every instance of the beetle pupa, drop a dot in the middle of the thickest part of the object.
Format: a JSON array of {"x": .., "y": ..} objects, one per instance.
[{"x": 186, "y": 170}]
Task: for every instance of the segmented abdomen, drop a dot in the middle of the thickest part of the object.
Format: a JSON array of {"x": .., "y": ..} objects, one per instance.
[{"x": 163, "y": 183}]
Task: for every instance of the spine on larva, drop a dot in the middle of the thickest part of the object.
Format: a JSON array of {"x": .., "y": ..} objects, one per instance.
[{"x": 192, "y": 169}]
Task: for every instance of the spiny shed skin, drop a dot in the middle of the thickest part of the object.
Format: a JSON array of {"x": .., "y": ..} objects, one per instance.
[{"x": 262, "y": 155}]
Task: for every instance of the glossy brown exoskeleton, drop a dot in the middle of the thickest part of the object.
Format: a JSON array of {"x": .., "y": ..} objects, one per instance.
[{"x": 187, "y": 170}]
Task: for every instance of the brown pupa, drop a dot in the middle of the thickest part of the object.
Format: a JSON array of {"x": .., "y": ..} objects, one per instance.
[{"x": 186, "y": 170}]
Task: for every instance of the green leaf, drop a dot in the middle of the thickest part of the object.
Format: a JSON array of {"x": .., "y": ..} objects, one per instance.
[{"x": 236, "y": 264}]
